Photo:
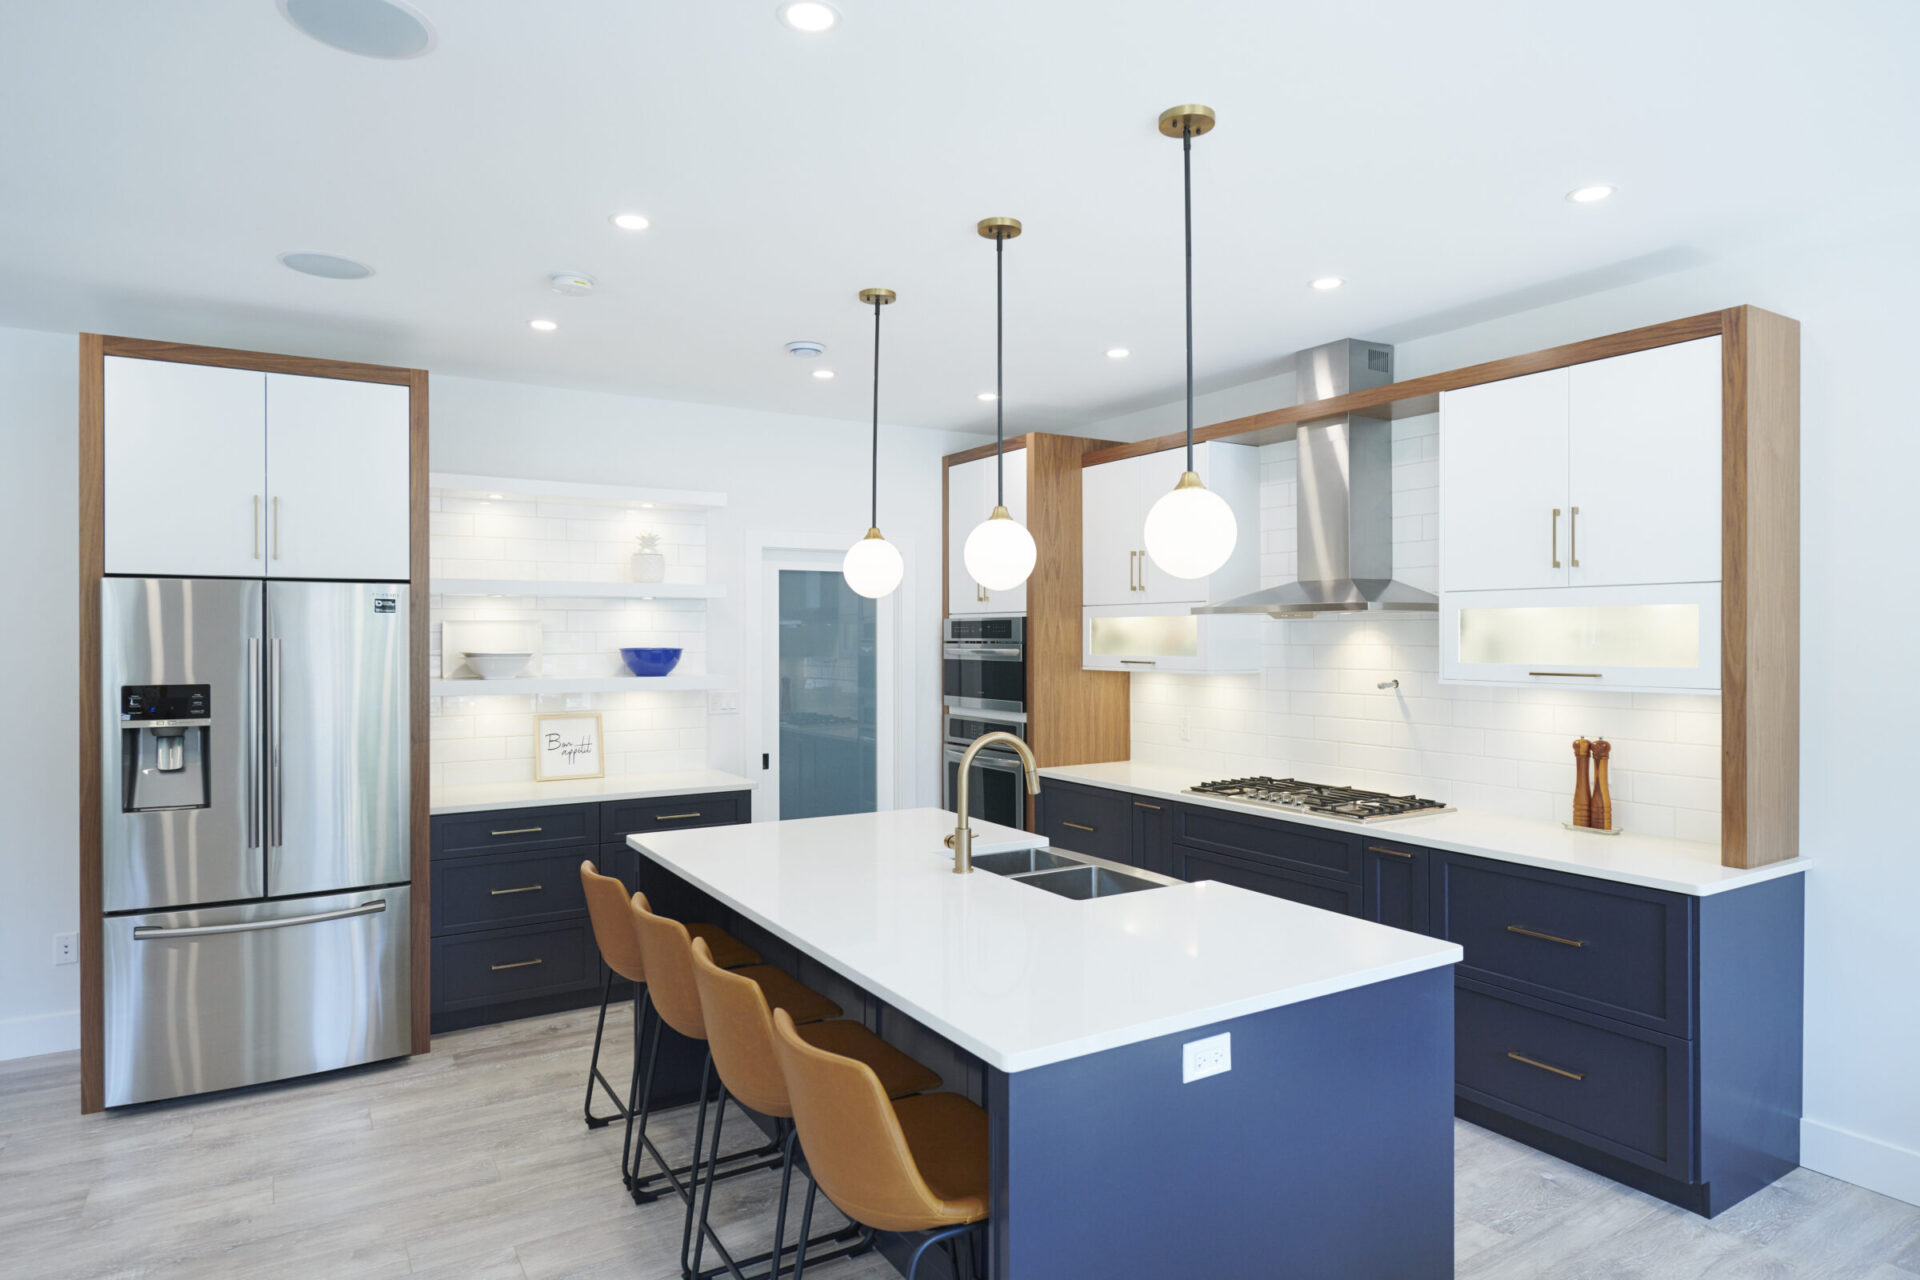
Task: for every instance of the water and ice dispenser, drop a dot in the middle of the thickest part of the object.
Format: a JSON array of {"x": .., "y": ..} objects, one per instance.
[{"x": 163, "y": 746}]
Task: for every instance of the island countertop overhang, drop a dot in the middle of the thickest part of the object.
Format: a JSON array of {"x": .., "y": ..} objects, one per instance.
[{"x": 1016, "y": 976}]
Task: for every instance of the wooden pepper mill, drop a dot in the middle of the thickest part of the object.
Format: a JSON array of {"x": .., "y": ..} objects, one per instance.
[
  {"x": 1602, "y": 807},
  {"x": 1582, "y": 797}
]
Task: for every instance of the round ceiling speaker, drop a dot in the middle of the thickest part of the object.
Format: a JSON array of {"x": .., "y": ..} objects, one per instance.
[
  {"x": 326, "y": 265},
  {"x": 806, "y": 349},
  {"x": 370, "y": 28}
]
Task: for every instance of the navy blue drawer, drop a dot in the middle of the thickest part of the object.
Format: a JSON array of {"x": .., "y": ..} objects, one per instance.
[
  {"x": 1616, "y": 950},
  {"x": 489, "y": 892},
  {"x": 1087, "y": 820},
  {"x": 1610, "y": 1087},
  {"x": 1203, "y": 864},
  {"x": 621, "y": 818},
  {"x": 1395, "y": 879},
  {"x": 460, "y": 835},
  {"x": 1308, "y": 849},
  {"x": 471, "y": 969}
]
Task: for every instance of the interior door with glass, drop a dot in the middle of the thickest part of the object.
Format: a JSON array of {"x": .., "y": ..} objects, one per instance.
[{"x": 827, "y": 694}]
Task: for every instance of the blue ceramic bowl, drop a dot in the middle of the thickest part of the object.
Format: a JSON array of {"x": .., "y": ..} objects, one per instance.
[{"x": 650, "y": 662}]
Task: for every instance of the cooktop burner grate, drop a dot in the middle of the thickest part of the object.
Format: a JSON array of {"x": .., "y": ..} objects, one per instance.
[{"x": 1350, "y": 804}]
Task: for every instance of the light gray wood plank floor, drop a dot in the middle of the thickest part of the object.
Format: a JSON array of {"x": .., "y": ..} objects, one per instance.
[{"x": 472, "y": 1162}]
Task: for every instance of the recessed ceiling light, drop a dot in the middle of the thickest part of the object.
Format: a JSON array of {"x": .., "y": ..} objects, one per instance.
[
  {"x": 809, "y": 16},
  {"x": 326, "y": 266},
  {"x": 806, "y": 349},
  {"x": 1327, "y": 283},
  {"x": 630, "y": 222},
  {"x": 1118, "y": 353},
  {"x": 544, "y": 326},
  {"x": 370, "y": 28},
  {"x": 988, "y": 396},
  {"x": 823, "y": 374},
  {"x": 1591, "y": 195}
]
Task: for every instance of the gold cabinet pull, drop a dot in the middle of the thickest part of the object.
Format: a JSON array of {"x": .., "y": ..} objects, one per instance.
[
  {"x": 1535, "y": 1062},
  {"x": 1584, "y": 675},
  {"x": 525, "y": 888},
  {"x": 1545, "y": 937},
  {"x": 1556, "y": 538},
  {"x": 1573, "y": 537},
  {"x": 1142, "y": 804},
  {"x": 1392, "y": 853},
  {"x": 276, "y": 527},
  {"x": 517, "y": 964},
  {"x": 1138, "y": 662},
  {"x": 673, "y": 817},
  {"x": 256, "y": 526},
  {"x": 1143, "y": 571},
  {"x": 1076, "y": 826},
  {"x": 518, "y": 831}
]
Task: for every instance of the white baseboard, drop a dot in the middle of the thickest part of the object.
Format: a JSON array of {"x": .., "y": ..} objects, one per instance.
[
  {"x": 1863, "y": 1161},
  {"x": 41, "y": 1033}
]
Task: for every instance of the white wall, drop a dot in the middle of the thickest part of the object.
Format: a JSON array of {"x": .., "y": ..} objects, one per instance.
[
  {"x": 1860, "y": 619},
  {"x": 39, "y": 787}
]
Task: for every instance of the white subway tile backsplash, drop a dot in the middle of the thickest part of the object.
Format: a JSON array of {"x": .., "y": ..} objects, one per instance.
[{"x": 1499, "y": 750}]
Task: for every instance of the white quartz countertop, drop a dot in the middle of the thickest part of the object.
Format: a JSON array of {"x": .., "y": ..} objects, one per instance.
[
  {"x": 1654, "y": 862},
  {"x": 476, "y": 797},
  {"x": 1015, "y": 975}
]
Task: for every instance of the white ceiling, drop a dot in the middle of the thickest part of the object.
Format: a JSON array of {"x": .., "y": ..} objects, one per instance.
[{"x": 154, "y": 160}]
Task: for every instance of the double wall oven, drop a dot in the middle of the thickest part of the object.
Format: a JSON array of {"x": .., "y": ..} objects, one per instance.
[{"x": 985, "y": 686}]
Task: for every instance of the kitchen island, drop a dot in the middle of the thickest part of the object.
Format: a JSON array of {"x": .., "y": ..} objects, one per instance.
[{"x": 1324, "y": 1147}]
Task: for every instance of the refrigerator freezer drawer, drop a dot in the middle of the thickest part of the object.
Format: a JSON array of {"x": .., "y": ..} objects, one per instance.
[{"x": 227, "y": 996}]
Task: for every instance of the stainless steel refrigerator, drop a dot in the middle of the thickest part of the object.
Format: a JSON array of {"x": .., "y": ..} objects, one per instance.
[{"x": 255, "y": 830}]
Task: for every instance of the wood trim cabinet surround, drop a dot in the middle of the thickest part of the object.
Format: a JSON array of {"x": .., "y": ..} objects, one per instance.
[
  {"x": 94, "y": 348},
  {"x": 1759, "y": 541}
]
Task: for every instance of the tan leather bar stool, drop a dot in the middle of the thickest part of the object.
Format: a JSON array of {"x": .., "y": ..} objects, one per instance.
[
  {"x": 620, "y": 954},
  {"x": 918, "y": 1164},
  {"x": 666, "y": 949},
  {"x": 739, "y": 1024}
]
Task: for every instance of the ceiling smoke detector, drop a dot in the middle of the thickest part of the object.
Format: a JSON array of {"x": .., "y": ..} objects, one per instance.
[
  {"x": 574, "y": 284},
  {"x": 806, "y": 349},
  {"x": 370, "y": 28}
]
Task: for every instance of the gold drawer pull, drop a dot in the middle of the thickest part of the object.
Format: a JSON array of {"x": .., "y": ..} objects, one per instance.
[
  {"x": 673, "y": 817},
  {"x": 1142, "y": 804},
  {"x": 525, "y": 888},
  {"x": 1545, "y": 937},
  {"x": 517, "y": 964},
  {"x": 1076, "y": 826},
  {"x": 1392, "y": 853},
  {"x": 1583, "y": 675},
  {"x": 519, "y": 831},
  {"x": 1535, "y": 1062}
]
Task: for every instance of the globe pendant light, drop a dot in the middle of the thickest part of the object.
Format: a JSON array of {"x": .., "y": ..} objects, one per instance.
[
  {"x": 873, "y": 566},
  {"x": 1191, "y": 531},
  {"x": 999, "y": 552}
]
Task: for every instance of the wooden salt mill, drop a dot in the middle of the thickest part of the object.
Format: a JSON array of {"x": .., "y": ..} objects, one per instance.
[
  {"x": 1602, "y": 808},
  {"x": 1582, "y": 802}
]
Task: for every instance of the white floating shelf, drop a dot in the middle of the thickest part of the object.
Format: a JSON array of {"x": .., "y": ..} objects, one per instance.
[
  {"x": 597, "y": 590},
  {"x": 613, "y": 494},
  {"x": 567, "y": 684}
]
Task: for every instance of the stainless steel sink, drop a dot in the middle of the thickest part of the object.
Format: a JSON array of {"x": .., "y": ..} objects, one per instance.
[
  {"x": 1084, "y": 882},
  {"x": 1014, "y": 862}
]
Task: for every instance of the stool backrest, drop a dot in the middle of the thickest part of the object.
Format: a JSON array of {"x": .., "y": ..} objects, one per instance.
[
  {"x": 855, "y": 1148},
  {"x": 612, "y": 923},
  {"x": 666, "y": 948},
  {"x": 740, "y": 1033}
]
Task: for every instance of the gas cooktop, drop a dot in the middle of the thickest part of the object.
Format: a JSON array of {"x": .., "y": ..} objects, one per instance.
[{"x": 1349, "y": 804}]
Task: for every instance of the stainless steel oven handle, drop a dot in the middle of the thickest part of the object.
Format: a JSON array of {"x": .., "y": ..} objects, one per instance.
[
  {"x": 154, "y": 932},
  {"x": 997, "y": 761},
  {"x": 276, "y": 790},
  {"x": 987, "y": 652}
]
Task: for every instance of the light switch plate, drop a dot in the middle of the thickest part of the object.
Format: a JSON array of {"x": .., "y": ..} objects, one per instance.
[
  {"x": 723, "y": 702},
  {"x": 1202, "y": 1058}
]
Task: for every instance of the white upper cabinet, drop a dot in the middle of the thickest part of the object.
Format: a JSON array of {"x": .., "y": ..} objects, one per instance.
[
  {"x": 1114, "y": 500},
  {"x": 1643, "y": 469},
  {"x": 186, "y": 469},
  {"x": 970, "y": 499},
  {"x": 337, "y": 479},
  {"x": 1503, "y": 484},
  {"x": 1111, "y": 516}
]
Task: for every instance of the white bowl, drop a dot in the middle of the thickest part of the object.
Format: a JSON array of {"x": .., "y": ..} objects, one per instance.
[{"x": 498, "y": 666}]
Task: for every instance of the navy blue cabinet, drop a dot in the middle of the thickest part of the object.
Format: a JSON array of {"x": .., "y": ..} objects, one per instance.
[
  {"x": 1087, "y": 820},
  {"x": 511, "y": 937},
  {"x": 1262, "y": 876},
  {"x": 1395, "y": 884},
  {"x": 1152, "y": 835}
]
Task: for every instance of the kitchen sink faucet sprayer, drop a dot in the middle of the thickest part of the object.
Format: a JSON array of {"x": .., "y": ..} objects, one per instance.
[{"x": 961, "y": 841}]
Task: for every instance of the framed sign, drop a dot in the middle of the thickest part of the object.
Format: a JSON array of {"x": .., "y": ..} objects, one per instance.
[{"x": 567, "y": 746}]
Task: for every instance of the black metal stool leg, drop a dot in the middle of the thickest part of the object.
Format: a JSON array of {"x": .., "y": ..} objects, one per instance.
[
  {"x": 593, "y": 1066},
  {"x": 640, "y": 1093},
  {"x": 780, "y": 1213},
  {"x": 706, "y": 1195},
  {"x": 806, "y": 1225}
]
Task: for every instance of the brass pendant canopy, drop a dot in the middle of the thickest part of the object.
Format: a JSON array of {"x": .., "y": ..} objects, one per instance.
[
  {"x": 1175, "y": 121},
  {"x": 998, "y": 228},
  {"x": 879, "y": 296}
]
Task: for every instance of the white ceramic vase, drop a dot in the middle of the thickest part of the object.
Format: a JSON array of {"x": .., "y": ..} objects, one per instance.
[{"x": 649, "y": 566}]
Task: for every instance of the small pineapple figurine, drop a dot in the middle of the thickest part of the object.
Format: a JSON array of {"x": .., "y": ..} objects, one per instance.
[{"x": 649, "y": 562}]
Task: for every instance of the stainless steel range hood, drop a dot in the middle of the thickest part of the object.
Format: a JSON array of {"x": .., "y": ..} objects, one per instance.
[{"x": 1344, "y": 510}]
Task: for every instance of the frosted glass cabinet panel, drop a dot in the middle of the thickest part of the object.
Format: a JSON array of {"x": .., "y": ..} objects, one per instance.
[
  {"x": 1587, "y": 637},
  {"x": 1158, "y": 637}
]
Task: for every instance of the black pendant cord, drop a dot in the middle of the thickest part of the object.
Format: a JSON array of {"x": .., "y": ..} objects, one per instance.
[
  {"x": 1186, "y": 164},
  {"x": 874, "y": 523},
  {"x": 999, "y": 371}
]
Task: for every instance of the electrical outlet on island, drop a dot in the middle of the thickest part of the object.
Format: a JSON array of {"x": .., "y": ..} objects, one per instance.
[{"x": 1202, "y": 1058}]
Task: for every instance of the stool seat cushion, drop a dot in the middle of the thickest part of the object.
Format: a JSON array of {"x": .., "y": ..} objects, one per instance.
[
  {"x": 948, "y": 1137},
  {"x": 728, "y": 951},
  {"x": 783, "y": 991},
  {"x": 899, "y": 1074}
]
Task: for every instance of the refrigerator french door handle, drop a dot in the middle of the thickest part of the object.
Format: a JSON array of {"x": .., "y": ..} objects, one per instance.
[
  {"x": 154, "y": 932},
  {"x": 276, "y": 782},
  {"x": 253, "y": 743}
]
